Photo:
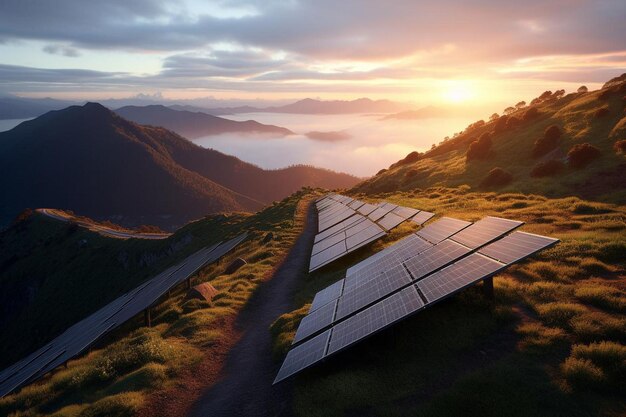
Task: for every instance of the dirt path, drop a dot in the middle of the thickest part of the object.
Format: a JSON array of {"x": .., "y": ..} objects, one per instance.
[{"x": 245, "y": 387}]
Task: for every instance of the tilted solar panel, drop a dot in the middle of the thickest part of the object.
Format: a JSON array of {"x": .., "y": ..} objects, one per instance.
[
  {"x": 303, "y": 356},
  {"x": 326, "y": 295},
  {"x": 390, "y": 220},
  {"x": 364, "y": 237},
  {"x": 459, "y": 275},
  {"x": 374, "y": 318},
  {"x": 315, "y": 321},
  {"x": 372, "y": 291},
  {"x": 442, "y": 229},
  {"x": 379, "y": 213},
  {"x": 320, "y": 259},
  {"x": 327, "y": 243},
  {"x": 342, "y": 226},
  {"x": 367, "y": 208},
  {"x": 517, "y": 246},
  {"x": 435, "y": 258},
  {"x": 422, "y": 217},
  {"x": 484, "y": 231},
  {"x": 405, "y": 212}
]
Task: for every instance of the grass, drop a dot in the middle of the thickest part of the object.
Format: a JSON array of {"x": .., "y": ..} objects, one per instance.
[
  {"x": 447, "y": 165},
  {"x": 466, "y": 356},
  {"x": 118, "y": 376}
]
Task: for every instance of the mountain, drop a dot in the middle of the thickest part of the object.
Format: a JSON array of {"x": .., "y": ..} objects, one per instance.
[
  {"x": 560, "y": 145},
  {"x": 194, "y": 124},
  {"x": 312, "y": 106},
  {"x": 423, "y": 113},
  {"x": 96, "y": 163},
  {"x": 12, "y": 107}
]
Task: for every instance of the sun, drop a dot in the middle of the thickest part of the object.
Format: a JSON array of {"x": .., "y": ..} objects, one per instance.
[{"x": 458, "y": 92}]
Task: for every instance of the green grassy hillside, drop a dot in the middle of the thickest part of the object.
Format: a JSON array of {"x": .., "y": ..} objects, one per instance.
[
  {"x": 121, "y": 372},
  {"x": 596, "y": 117},
  {"x": 552, "y": 343}
]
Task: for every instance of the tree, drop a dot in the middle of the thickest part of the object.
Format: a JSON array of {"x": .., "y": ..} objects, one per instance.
[
  {"x": 509, "y": 110},
  {"x": 520, "y": 105},
  {"x": 530, "y": 114},
  {"x": 558, "y": 94},
  {"x": 501, "y": 124},
  {"x": 547, "y": 142},
  {"x": 493, "y": 117},
  {"x": 479, "y": 149},
  {"x": 497, "y": 177},
  {"x": 582, "y": 89}
]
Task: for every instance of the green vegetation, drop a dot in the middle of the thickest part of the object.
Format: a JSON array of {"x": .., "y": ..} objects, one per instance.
[
  {"x": 118, "y": 376},
  {"x": 551, "y": 343},
  {"x": 552, "y": 126}
]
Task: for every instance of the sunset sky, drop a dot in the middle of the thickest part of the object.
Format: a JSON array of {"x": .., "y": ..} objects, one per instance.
[{"x": 425, "y": 52}]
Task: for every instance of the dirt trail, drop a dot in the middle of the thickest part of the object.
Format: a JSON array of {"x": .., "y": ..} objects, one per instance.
[{"x": 245, "y": 386}]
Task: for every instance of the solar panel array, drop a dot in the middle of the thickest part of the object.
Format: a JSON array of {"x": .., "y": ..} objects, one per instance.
[
  {"x": 83, "y": 334},
  {"x": 434, "y": 263},
  {"x": 345, "y": 225}
]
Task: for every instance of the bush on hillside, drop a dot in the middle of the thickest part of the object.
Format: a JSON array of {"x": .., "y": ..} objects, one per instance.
[
  {"x": 530, "y": 114},
  {"x": 547, "y": 169},
  {"x": 548, "y": 142},
  {"x": 620, "y": 146},
  {"x": 501, "y": 124},
  {"x": 601, "y": 112},
  {"x": 479, "y": 149},
  {"x": 512, "y": 123},
  {"x": 582, "y": 89},
  {"x": 497, "y": 177},
  {"x": 409, "y": 159},
  {"x": 382, "y": 171},
  {"x": 582, "y": 154}
]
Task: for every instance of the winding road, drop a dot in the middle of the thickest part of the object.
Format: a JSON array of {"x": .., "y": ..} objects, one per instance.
[
  {"x": 98, "y": 228},
  {"x": 245, "y": 387}
]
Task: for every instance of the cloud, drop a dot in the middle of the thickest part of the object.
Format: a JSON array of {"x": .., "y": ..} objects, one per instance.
[
  {"x": 61, "y": 50},
  {"x": 328, "y": 136}
]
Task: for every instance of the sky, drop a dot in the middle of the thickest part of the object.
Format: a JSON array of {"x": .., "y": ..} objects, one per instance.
[{"x": 424, "y": 52}]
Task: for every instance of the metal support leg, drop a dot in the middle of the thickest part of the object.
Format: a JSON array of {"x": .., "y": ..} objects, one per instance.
[
  {"x": 147, "y": 318},
  {"x": 488, "y": 288}
]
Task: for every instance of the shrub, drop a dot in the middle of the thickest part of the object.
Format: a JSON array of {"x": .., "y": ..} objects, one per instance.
[
  {"x": 479, "y": 149},
  {"x": 582, "y": 89},
  {"x": 582, "y": 154},
  {"x": 581, "y": 373},
  {"x": 382, "y": 171},
  {"x": 497, "y": 177},
  {"x": 620, "y": 146},
  {"x": 609, "y": 358},
  {"x": 530, "y": 114},
  {"x": 549, "y": 141},
  {"x": 512, "y": 122},
  {"x": 559, "y": 314},
  {"x": 501, "y": 124},
  {"x": 547, "y": 169},
  {"x": 120, "y": 405},
  {"x": 597, "y": 326},
  {"x": 411, "y": 173},
  {"x": 601, "y": 112}
]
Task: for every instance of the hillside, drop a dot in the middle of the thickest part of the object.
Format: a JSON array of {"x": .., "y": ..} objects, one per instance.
[
  {"x": 595, "y": 117},
  {"x": 193, "y": 125},
  {"x": 92, "y": 161}
]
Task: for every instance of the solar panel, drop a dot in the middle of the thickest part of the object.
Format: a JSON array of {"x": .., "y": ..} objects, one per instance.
[
  {"x": 484, "y": 231},
  {"x": 364, "y": 237},
  {"x": 315, "y": 321},
  {"x": 405, "y": 212},
  {"x": 366, "y": 209},
  {"x": 371, "y": 291},
  {"x": 390, "y": 221},
  {"x": 459, "y": 275},
  {"x": 442, "y": 229},
  {"x": 335, "y": 219},
  {"x": 358, "y": 227},
  {"x": 422, "y": 217},
  {"x": 326, "y": 295},
  {"x": 517, "y": 246},
  {"x": 303, "y": 356},
  {"x": 402, "y": 251},
  {"x": 350, "y": 221},
  {"x": 379, "y": 213},
  {"x": 355, "y": 204},
  {"x": 374, "y": 318},
  {"x": 434, "y": 258},
  {"x": 320, "y": 259},
  {"x": 328, "y": 242}
]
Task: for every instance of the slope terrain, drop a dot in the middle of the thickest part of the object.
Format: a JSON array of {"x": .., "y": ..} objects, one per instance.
[
  {"x": 518, "y": 144},
  {"x": 94, "y": 162},
  {"x": 193, "y": 125}
]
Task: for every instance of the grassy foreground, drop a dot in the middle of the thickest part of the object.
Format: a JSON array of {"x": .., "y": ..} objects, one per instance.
[
  {"x": 119, "y": 376},
  {"x": 551, "y": 344}
]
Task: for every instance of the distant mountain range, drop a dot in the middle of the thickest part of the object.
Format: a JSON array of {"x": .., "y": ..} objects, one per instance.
[
  {"x": 193, "y": 124},
  {"x": 96, "y": 163},
  {"x": 14, "y": 107},
  {"x": 423, "y": 113},
  {"x": 312, "y": 106}
]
